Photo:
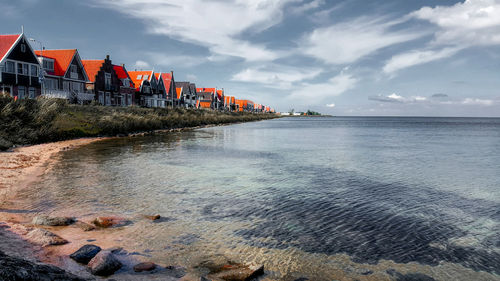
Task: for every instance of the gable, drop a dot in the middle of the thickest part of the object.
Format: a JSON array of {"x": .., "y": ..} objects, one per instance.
[
  {"x": 80, "y": 71},
  {"x": 22, "y": 52}
]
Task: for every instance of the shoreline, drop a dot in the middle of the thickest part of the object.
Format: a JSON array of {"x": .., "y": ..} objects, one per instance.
[{"x": 20, "y": 169}]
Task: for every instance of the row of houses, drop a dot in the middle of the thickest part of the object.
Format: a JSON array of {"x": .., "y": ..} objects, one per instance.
[{"x": 29, "y": 73}]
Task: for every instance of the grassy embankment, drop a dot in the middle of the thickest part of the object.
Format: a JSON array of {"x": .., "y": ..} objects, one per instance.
[{"x": 27, "y": 122}]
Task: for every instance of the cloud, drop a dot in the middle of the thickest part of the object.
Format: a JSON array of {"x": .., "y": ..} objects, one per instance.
[
  {"x": 307, "y": 6},
  {"x": 140, "y": 64},
  {"x": 213, "y": 24},
  {"x": 349, "y": 41},
  {"x": 191, "y": 77},
  {"x": 279, "y": 77},
  {"x": 457, "y": 27},
  {"x": 395, "y": 98},
  {"x": 474, "y": 101},
  {"x": 439, "y": 96},
  {"x": 413, "y": 58},
  {"x": 314, "y": 93},
  {"x": 172, "y": 61},
  {"x": 331, "y": 105}
]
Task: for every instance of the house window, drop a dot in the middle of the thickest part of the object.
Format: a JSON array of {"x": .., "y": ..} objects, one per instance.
[
  {"x": 25, "y": 68},
  {"x": 101, "y": 98},
  {"x": 73, "y": 72},
  {"x": 145, "y": 77},
  {"x": 107, "y": 81},
  {"x": 21, "y": 92},
  {"x": 19, "y": 68},
  {"x": 32, "y": 93},
  {"x": 34, "y": 70},
  {"x": 48, "y": 64},
  {"x": 139, "y": 77},
  {"x": 126, "y": 83},
  {"x": 10, "y": 67},
  {"x": 23, "y": 48}
]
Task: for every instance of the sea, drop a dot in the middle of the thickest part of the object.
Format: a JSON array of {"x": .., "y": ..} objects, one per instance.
[{"x": 317, "y": 198}]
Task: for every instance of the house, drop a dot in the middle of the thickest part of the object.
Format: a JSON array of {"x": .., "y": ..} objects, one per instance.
[
  {"x": 188, "y": 96},
  {"x": 64, "y": 75},
  {"x": 245, "y": 105},
  {"x": 229, "y": 103},
  {"x": 105, "y": 84},
  {"x": 19, "y": 67},
  {"x": 166, "y": 80},
  {"x": 127, "y": 87},
  {"x": 206, "y": 95},
  {"x": 150, "y": 92},
  {"x": 219, "y": 100}
]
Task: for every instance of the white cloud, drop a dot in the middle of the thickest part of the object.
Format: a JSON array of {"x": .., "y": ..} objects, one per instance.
[
  {"x": 331, "y": 105},
  {"x": 395, "y": 98},
  {"x": 463, "y": 25},
  {"x": 213, "y": 24},
  {"x": 172, "y": 61},
  {"x": 140, "y": 64},
  {"x": 347, "y": 42},
  {"x": 413, "y": 58},
  {"x": 279, "y": 77},
  {"x": 472, "y": 22},
  {"x": 191, "y": 77},
  {"x": 314, "y": 93},
  {"x": 307, "y": 6},
  {"x": 473, "y": 101}
]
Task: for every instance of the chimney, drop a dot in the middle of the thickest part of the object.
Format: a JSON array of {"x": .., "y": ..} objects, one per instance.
[
  {"x": 123, "y": 65},
  {"x": 107, "y": 57}
]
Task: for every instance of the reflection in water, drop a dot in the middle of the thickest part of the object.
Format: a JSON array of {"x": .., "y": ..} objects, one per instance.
[{"x": 320, "y": 198}]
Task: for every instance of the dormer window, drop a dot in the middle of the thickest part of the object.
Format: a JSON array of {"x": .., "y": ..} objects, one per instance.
[
  {"x": 48, "y": 64},
  {"x": 73, "y": 71},
  {"x": 145, "y": 77},
  {"x": 139, "y": 77}
]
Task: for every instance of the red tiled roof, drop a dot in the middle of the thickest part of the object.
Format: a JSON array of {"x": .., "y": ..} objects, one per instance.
[
  {"x": 138, "y": 82},
  {"x": 209, "y": 90},
  {"x": 167, "y": 80},
  {"x": 205, "y": 104},
  {"x": 62, "y": 59},
  {"x": 6, "y": 42},
  {"x": 220, "y": 93},
  {"x": 178, "y": 91},
  {"x": 92, "y": 67},
  {"x": 122, "y": 74}
]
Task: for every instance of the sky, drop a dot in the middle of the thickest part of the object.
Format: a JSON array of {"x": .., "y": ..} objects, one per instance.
[{"x": 352, "y": 57}]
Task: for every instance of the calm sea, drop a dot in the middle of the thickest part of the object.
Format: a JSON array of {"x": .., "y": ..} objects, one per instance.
[{"x": 322, "y": 198}]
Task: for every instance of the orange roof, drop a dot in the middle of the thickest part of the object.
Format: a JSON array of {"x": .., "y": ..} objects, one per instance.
[
  {"x": 220, "y": 93},
  {"x": 122, "y": 74},
  {"x": 62, "y": 59},
  {"x": 205, "y": 104},
  {"x": 197, "y": 103},
  {"x": 167, "y": 79},
  {"x": 6, "y": 42},
  {"x": 92, "y": 67},
  {"x": 209, "y": 90},
  {"x": 178, "y": 91},
  {"x": 138, "y": 76}
]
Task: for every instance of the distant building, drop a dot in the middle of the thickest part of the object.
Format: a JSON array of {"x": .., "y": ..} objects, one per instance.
[
  {"x": 149, "y": 91},
  {"x": 167, "y": 81}
]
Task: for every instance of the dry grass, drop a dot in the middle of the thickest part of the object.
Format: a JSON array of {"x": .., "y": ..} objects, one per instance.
[{"x": 44, "y": 120}]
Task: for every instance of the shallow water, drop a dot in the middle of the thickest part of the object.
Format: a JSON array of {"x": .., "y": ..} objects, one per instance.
[{"x": 324, "y": 198}]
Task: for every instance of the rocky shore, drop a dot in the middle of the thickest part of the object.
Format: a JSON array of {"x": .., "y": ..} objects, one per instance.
[{"x": 41, "y": 247}]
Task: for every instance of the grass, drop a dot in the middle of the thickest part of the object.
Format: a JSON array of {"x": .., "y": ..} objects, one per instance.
[{"x": 26, "y": 122}]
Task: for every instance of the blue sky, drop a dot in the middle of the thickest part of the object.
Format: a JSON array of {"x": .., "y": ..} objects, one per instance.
[{"x": 354, "y": 57}]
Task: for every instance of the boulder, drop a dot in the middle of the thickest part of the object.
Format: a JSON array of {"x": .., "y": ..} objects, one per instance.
[
  {"x": 153, "y": 218},
  {"x": 44, "y": 237},
  {"x": 106, "y": 222},
  {"x": 13, "y": 268},
  {"x": 219, "y": 269},
  {"x": 104, "y": 264},
  {"x": 144, "y": 266},
  {"x": 85, "y": 253},
  {"x": 53, "y": 221},
  {"x": 84, "y": 226}
]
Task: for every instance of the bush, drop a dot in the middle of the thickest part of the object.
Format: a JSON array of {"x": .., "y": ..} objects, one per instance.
[{"x": 43, "y": 120}]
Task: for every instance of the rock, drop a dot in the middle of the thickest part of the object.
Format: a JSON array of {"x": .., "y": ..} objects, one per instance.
[
  {"x": 53, "y": 221},
  {"x": 85, "y": 226},
  {"x": 175, "y": 271},
  {"x": 104, "y": 264},
  {"x": 144, "y": 266},
  {"x": 234, "y": 271},
  {"x": 203, "y": 278},
  {"x": 106, "y": 222},
  {"x": 12, "y": 268},
  {"x": 154, "y": 217},
  {"x": 44, "y": 237},
  {"x": 85, "y": 253}
]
